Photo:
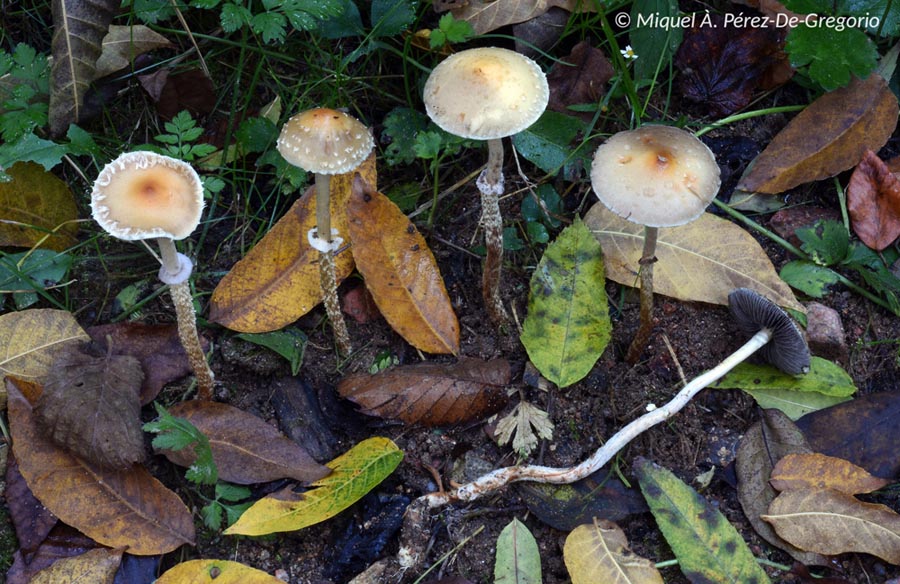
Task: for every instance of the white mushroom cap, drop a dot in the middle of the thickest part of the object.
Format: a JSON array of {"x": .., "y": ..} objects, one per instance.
[
  {"x": 325, "y": 141},
  {"x": 141, "y": 195},
  {"x": 658, "y": 176},
  {"x": 486, "y": 93}
]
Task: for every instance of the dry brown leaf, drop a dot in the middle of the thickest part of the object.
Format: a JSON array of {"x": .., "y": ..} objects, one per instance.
[
  {"x": 433, "y": 394},
  {"x": 599, "y": 553},
  {"x": 873, "y": 201},
  {"x": 579, "y": 78},
  {"x": 488, "y": 15},
  {"x": 277, "y": 282},
  {"x": 829, "y": 522},
  {"x": 702, "y": 261},
  {"x": 91, "y": 406},
  {"x": 819, "y": 471},
  {"x": 31, "y": 519},
  {"x": 62, "y": 542},
  {"x": 400, "y": 271},
  {"x": 31, "y": 338},
  {"x": 123, "y": 43},
  {"x": 830, "y": 136},
  {"x": 115, "y": 508},
  {"x": 97, "y": 566},
  {"x": 245, "y": 449}
]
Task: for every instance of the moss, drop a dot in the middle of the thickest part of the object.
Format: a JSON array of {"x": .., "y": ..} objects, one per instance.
[{"x": 8, "y": 542}]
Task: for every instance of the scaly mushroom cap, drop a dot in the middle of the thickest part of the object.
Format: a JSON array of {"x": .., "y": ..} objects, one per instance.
[
  {"x": 141, "y": 195},
  {"x": 325, "y": 141},
  {"x": 658, "y": 176},
  {"x": 787, "y": 348},
  {"x": 486, "y": 93}
]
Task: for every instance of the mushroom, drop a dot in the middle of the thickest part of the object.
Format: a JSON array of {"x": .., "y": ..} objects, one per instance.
[
  {"x": 487, "y": 94},
  {"x": 144, "y": 195},
  {"x": 326, "y": 142},
  {"x": 655, "y": 176}
]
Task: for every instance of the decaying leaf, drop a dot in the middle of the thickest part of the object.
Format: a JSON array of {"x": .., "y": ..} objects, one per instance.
[
  {"x": 703, "y": 260},
  {"x": 354, "y": 473},
  {"x": 818, "y": 471},
  {"x": 829, "y": 522},
  {"x": 830, "y": 136},
  {"x": 579, "y": 78},
  {"x": 432, "y": 394},
  {"x": 485, "y": 16},
  {"x": 91, "y": 406},
  {"x": 123, "y": 43},
  {"x": 215, "y": 572},
  {"x": 79, "y": 27},
  {"x": 115, "y": 508},
  {"x": 245, "y": 449},
  {"x": 400, "y": 271},
  {"x": 277, "y": 282},
  {"x": 62, "y": 542},
  {"x": 36, "y": 206},
  {"x": 31, "y": 520},
  {"x": 32, "y": 338},
  {"x": 599, "y": 553},
  {"x": 97, "y": 566},
  {"x": 873, "y": 201},
  {"x": 518, "y": 558},
  {"x": 525, "y": 425}
]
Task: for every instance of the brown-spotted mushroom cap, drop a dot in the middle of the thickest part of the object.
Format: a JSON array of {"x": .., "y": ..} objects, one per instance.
[
  {"x": 486, "y": 93},
  {"x": 141, "y": 195},
  {"x": 787, "y": 349},
  {"x": 658, "y": 176},
  {"x": 325, "y": 141}
]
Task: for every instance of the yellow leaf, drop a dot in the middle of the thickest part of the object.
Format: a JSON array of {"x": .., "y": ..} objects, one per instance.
[
  {"x": 818, "y": 471},
  {"x": 487, "y": 16},
  {"x": 701, "y": 261},
  {"x": 599, "y": 553},
  {"x": 215, "y": 572},
  {"x": 32, "y": 205},
  {"x": 400, "y": 272},
  {"x": 97, "y": 566},
  {"x": 277, "y": 282},
  {"x": 31, "y": 338}
]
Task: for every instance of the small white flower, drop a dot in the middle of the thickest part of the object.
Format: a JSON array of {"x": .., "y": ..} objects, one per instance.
[{"x": 628, "y": 53}]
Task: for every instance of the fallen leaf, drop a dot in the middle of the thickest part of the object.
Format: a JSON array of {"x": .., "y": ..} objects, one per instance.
[
  {"x": 38, "y": 209},
  {"x": 190, "y": 90},
  {"x": 518, "y": 558},
  {"x": 115, "y": 508},
  {"x": 31, "y": 520},
  {"x": 90, "y": 406},
  {"x": 245, "y": 449},
  {"x": 599, "y": 553},
  {"x": 62, "y": 542},
  {"x": 579, "y": 78},
  {"x": 568, "y": 326},
  {"x": 400, "y": 271},
  {"x": 771, "y": 438},
  {"x": 215, "y": 572},
  {"x": 830, "y": 136},
  {"x": 432, "y": 394},
  {"x": 873, "y": 201},
  {"x": 708, "y": 548},
  {"x": 819, "y": 471},
  {"x": 97, "y": 566},
  {"x": 703, "y": 260},
  {"x": 488, "y": 15},
  {"x": 829, "y": 522},
  {"x": 123, "y": 43},
  {"x": 355, "y": 473},
  {"x": 32, "y": 338},
  {"x": 277, "y": 282}
]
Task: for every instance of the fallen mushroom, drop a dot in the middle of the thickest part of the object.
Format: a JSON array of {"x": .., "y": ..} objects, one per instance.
[
  {"x": 144, "y": 195},
  {"x": 326, "y": 142},
  {"x": 655, "y": 176},
  {"x": 487, "y": 94}
]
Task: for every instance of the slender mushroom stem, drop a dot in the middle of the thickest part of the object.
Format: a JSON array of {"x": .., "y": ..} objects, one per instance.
[
  {"x": 490, "y": 184},
  {"x": 327, "y": 274},
  {"x": 501, "y": 477},
  {"x": 648, "y": 258},
  {"x": 175, "y": 271}
]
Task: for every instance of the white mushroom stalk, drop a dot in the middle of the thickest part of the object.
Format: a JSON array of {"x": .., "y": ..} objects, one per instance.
[
  {"x": 144, "y": 195},
  {"x": 488, "y": 94}
]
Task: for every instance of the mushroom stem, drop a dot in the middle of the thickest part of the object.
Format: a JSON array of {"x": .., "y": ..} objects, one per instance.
[
  {"x": 648, "y": 258},
  {"x": 323, "y": 210},
  {"x": 169, "y": 255},
  {"x": 490, "y": 184},
  {"x": 327, "y": 274}
]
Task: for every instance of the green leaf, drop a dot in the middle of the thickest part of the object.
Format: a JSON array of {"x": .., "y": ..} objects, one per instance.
[
  {"x": 708, "y": 548},
  {"x": 231, "y": 492},
  {"x": 549, "y": 142},
  {"x": 811, "y": 279},
  {"x": 30, "y": 148},
  {"x": 887, "y": 11},
  {"x": 23, "y": 273},
  {"x": 176, "y": 434},
  {"x": 233, "y": 17},
  {"x": 346, "y": 23},
  {"x": 794, "y": 404},
  {"x": 826, "y": 242},
  {"x": 427, "y": 144},
  {"x": 269, "y": 25},
  {"x": 402, "y": 125},
  {"x": 568, "y": 326},
  {"x": 654, "y": 47},
  {"x": 831, "y": 54},
  {"x": 355, "y": 473},
  {"x": 518, "y": 557},
  {"x": 450, "y": 31},
  {"x": 257, "y": 134},
  {"x": 391, "y": 17},
  {"x": 511, "y": 241},
  {"x": 289, "y": 343},
  {"x": 532, "y": 210},
  {"x": 536, "y": 232}
]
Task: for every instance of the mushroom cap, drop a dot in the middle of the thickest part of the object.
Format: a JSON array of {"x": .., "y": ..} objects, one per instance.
[
  {"x": 486, "y": 93},
  {"x": 325, "y": 141},
  {"x": 658, "y": 176},
  {"x": 787, "y": 349},
  {"x": 141, "y": 195}
]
